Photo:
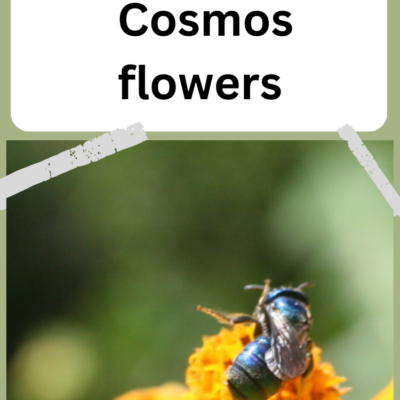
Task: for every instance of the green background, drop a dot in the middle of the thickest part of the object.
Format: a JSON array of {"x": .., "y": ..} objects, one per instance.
[{"x": 214, "y": 266}]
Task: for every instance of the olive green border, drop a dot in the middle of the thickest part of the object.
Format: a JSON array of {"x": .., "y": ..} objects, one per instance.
[{"x": 389, "y": 131}]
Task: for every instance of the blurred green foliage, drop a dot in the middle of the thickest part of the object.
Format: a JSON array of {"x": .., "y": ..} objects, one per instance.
[{"x": 107, "y": 263}]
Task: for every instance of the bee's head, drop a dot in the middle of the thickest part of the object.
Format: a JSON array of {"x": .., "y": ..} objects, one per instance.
[
  {"x": 269, "y": 295},
  {"x": 294, "y": 293}
]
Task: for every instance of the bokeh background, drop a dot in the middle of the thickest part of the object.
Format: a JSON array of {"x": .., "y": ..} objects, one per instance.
[{"x": 107, "y": 263}]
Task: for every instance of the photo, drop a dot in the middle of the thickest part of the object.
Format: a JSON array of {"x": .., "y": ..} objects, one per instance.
[{"x": 130, "y": 273}]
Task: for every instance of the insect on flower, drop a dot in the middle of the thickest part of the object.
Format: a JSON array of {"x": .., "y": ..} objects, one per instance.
[{"x": 281, "y": 349}]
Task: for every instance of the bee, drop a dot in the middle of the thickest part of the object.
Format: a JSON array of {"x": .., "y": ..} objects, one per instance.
[{"x": 281, "y": 349}]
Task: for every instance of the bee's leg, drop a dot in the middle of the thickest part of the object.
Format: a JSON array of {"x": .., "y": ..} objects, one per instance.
[
  {"x": 243, "y": 318},
  {"x": 310, "y": 358},
  {"x": 259, "y": 329},
  {"x": 264, "y": 294},
  {"x": 310, "y": 366},
  {"x": 230, "y": 319},
  {"x": 259, "y": 312}
]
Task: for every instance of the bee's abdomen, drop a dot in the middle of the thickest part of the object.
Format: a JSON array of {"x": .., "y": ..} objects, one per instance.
[{"x": 249, "y": 377}]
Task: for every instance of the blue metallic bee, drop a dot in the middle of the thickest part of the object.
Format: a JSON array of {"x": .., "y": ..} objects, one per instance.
[{"x": 281, "y": 350}]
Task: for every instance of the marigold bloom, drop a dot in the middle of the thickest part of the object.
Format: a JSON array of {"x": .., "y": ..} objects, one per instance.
[
  {"x": 205, "y": 376},
  {"x": 169, "y": 391},
  {"x": 206, "y": 373}
]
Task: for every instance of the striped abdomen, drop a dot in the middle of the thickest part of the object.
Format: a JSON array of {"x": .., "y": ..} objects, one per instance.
[{"x": 249, "y": 377}]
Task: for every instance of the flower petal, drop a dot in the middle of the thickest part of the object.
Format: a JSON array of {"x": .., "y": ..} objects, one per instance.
[
  {"x": 169, "y": 391},
  {"x": 387, "y": 393}
]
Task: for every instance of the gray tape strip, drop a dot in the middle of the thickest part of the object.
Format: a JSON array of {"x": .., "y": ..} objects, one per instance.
[
  {"x": 91, "y": 151},
  {"x": 366, "y": 159}
]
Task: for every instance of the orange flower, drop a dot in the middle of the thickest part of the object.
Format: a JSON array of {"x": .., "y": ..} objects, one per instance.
[
  {"x": 205, "y": 376},
  {"x": 206, "y": 373},
  {"x": 387, "y": 393},
  {"x": 169, "y": 391}
]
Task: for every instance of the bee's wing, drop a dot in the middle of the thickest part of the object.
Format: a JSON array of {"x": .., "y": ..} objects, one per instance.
[{"x": 287, "y": 358}]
